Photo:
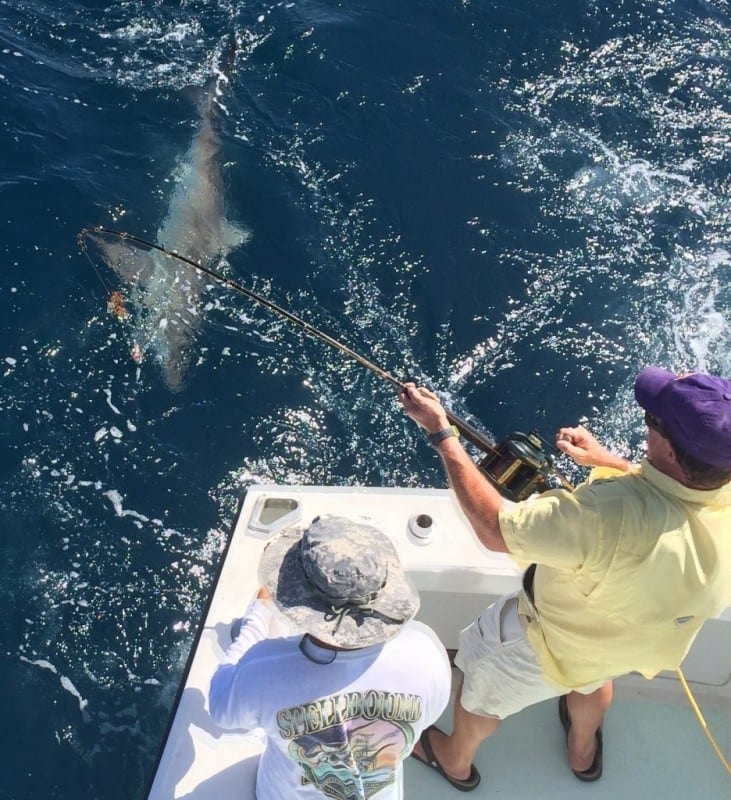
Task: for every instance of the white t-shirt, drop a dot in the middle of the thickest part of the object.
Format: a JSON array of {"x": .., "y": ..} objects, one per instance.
[{"x": 337, "y": 729}]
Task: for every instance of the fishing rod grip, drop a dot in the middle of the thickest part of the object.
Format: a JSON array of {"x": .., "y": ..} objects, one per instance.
[
  {"x": 466, "y": 430},
  {"x": 471, "y": 434}
]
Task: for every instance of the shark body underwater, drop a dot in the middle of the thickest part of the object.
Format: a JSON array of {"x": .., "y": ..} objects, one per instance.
[{"x": 166, "y": 296}]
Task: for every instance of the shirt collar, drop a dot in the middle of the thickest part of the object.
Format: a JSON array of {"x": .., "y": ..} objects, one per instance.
[{"x": 667, "y": 485}]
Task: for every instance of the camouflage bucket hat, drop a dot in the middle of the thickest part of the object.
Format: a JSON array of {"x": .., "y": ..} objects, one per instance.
[{"x": 340, "y": 581}]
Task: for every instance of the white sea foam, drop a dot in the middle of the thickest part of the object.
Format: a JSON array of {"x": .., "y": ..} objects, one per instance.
[
  {"x": 115, "y": 498},
  {"x": 40, "y": 662},
  {"x": 66, "y": 683},
  {"x": 108, "y": 393}
]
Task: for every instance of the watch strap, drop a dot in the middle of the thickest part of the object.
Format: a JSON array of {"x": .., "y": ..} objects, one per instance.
[{"x": 440, "y": 436}]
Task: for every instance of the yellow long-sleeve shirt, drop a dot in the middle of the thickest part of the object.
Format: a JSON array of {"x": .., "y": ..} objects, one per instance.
[{"x": 629, "y": 568}]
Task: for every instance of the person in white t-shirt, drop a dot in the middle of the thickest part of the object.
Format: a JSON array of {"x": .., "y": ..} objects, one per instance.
[{"x": 345, "y": 699}]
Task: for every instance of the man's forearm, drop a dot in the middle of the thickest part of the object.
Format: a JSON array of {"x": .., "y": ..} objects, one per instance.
[
  {"x": 614, "y": 461},
  {"x": 229, "y": 702},
  {"x": 479, "y": 499},
  {"x": 584, "y": 449}
]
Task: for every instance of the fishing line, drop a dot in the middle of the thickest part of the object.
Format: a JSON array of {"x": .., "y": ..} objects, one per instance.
[
  {"x": 466, "y": 430},
  {"x": 82, "y": 245},
  {"x": 496, "y": 453}
]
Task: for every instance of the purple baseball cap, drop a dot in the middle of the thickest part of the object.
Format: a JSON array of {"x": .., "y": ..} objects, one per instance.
[{"x": 695, "y": 409}]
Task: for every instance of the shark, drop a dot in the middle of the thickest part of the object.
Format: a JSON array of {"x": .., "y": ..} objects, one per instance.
[{"x": 167, "y": 295}]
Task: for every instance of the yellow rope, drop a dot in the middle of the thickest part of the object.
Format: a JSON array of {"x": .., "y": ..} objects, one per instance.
[{"x": 702, "y": 720}]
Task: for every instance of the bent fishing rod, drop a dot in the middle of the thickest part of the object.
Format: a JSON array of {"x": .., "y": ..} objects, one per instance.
[{"x": 517, "y": 466}]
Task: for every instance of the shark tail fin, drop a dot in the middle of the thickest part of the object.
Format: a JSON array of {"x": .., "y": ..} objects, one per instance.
[
  {"x": 205, "y": 97},
  {"x": 216, "y": 86},
  {"x": 225, "y": 61}
]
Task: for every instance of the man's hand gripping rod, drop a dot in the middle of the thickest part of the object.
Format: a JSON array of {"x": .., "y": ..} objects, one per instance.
[{"x": 466, "y": 430}]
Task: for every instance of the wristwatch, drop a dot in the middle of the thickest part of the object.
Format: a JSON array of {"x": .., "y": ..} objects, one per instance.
[{"x": 440, "y": 436}]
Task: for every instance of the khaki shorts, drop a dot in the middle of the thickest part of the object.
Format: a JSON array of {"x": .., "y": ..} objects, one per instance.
[{"x": 501, "y": 671}]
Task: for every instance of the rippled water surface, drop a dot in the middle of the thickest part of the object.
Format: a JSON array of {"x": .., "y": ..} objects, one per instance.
[{"x": 518, "y": 204}]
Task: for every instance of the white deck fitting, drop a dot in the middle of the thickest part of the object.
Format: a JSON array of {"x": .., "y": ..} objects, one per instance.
[{"x": 654, "y": 747}]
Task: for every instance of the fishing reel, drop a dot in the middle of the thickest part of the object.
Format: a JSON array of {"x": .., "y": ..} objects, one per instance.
[{"x": 517, "y": 466}]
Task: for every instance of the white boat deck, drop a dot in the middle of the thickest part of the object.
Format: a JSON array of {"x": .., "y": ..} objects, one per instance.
[
  {"x": 654, "y": 746},
  {"x": 652, "y": 751}
]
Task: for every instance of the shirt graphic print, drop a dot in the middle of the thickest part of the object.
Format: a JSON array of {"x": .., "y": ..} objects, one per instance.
[{"x": 350, "y": 745}]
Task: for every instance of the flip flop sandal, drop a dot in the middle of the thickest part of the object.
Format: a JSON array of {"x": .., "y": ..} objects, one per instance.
[
  {"x": 595, "y": 770},
  {"x": 466, "y": 785}
]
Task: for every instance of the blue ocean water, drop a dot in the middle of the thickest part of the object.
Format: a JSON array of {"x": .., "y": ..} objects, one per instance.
[{"x": 518, "y": 204}]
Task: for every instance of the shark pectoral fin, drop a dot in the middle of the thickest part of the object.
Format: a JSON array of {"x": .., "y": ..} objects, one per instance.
[{"x": 232, "y": 236}]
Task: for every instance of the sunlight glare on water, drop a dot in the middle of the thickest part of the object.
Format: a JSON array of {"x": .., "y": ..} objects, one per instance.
[{"x": 517, "y": 212}]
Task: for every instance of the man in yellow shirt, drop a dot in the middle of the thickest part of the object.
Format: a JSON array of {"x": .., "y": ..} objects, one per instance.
[{"x": 624, "y": 571}]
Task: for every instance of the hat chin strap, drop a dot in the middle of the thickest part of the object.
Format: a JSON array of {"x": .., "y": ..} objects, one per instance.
[{"x": 340, "y": 610}]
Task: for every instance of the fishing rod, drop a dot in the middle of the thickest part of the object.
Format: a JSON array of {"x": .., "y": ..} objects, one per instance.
[{"x": 517, "y": 466}]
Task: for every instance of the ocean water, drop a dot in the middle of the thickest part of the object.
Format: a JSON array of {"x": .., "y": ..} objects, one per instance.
[{"x": 518, "y": 204}]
